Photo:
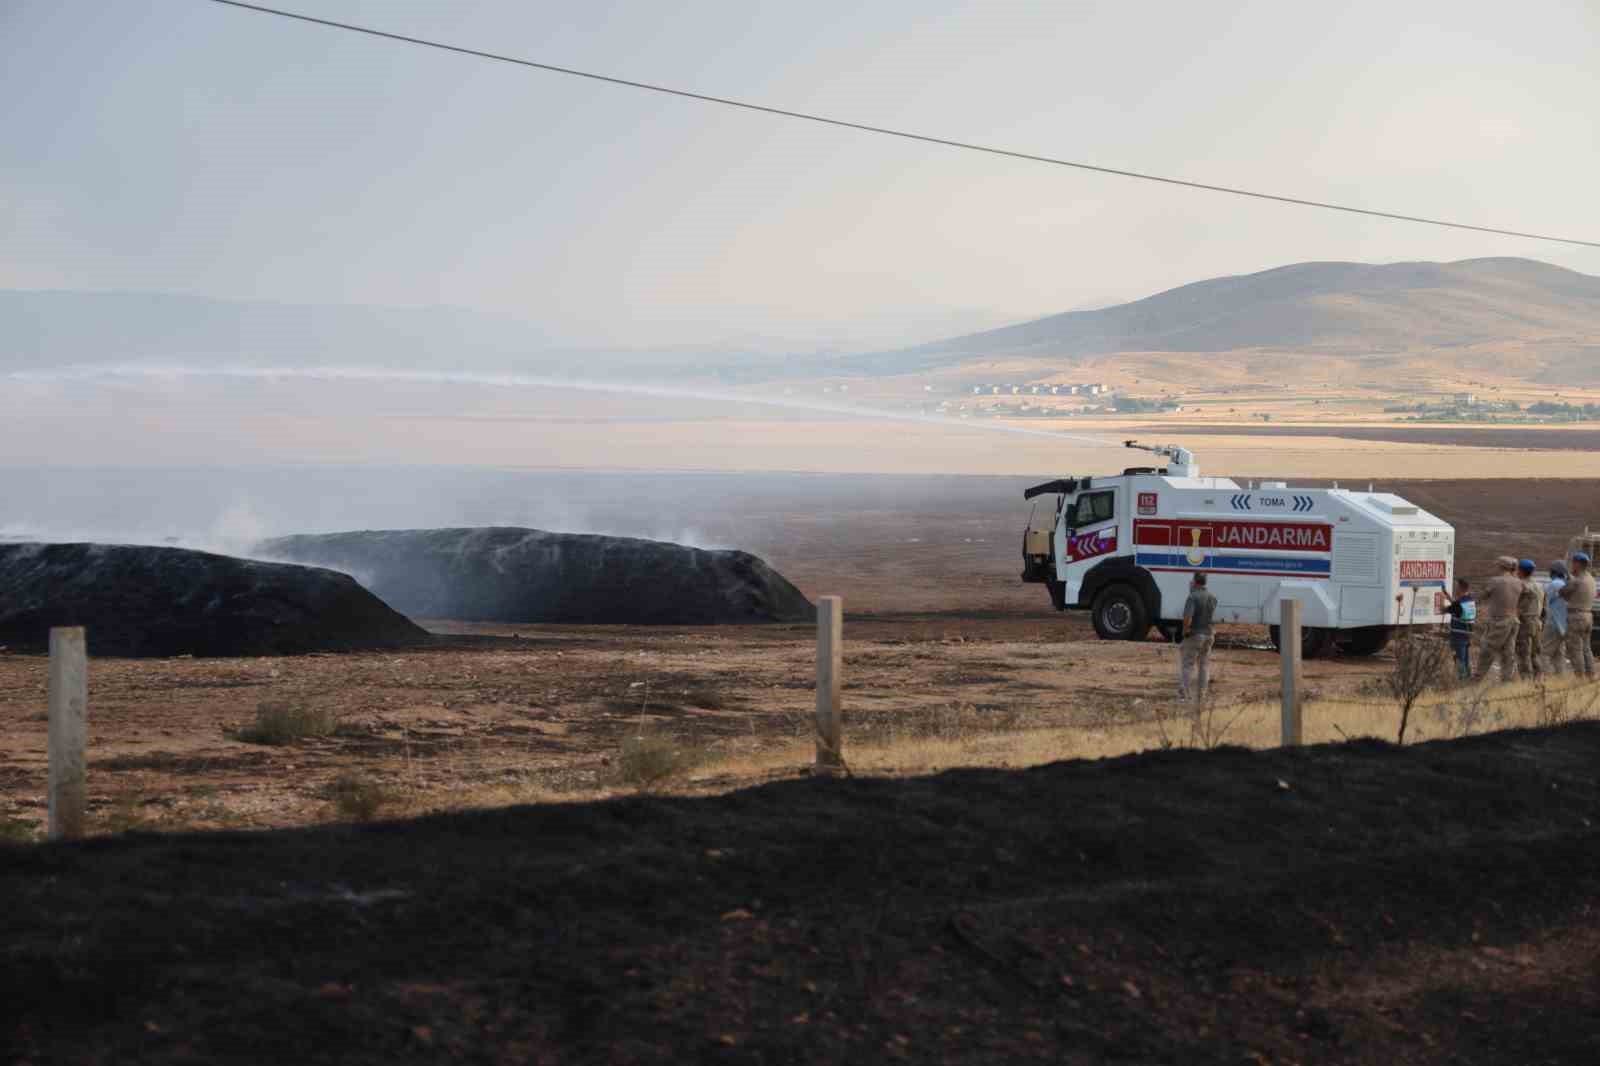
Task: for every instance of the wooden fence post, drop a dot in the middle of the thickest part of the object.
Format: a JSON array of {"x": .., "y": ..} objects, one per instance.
[
  {"x": 69, "y": 711},
  {"x": 830, "y": 665},
  {"x": 1289, "y": 651}
]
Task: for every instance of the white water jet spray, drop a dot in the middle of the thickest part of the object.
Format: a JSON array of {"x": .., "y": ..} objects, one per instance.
[{"x": 94, "y": 372}]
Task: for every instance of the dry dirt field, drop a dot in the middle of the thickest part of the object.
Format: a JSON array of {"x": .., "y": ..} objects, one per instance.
[{"x": 950, "y": 660}]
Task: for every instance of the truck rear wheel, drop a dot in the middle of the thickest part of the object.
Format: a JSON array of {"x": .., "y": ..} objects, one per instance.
[
  {"x": 1368, "y": 640},
  {"x": 1119, "y": 613},
  {"x": 1315, "y": 641}
]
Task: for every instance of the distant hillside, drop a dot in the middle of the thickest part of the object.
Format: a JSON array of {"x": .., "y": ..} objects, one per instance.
[{"x": 1348, "y": 309}]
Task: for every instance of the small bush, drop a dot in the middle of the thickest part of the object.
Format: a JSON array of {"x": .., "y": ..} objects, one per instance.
[
  {"x": 1422, "y": 663},
  {"x": 126, "y": 815},
  {"x": 17, "y": 831},
  {"x": 1562, "y": 705},
  {"x": 706, "y": 698},
  {"x": 652, "y": 759},
  {"x": 1470, "y": 713},
  {"x": 964, "y": 721},
  {"x": 358, "y": 799},
  {"x": 283, "y": 723},
  {"x": 1199, "y": 724}
]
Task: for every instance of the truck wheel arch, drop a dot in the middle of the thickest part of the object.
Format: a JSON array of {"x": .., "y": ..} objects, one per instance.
[{"x": 1121, "y": 571}]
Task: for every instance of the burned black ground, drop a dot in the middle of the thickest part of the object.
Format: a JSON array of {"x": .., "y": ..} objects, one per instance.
[{"x": 1355, "y": 904}]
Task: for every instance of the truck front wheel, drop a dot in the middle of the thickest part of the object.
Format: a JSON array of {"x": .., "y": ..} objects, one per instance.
[{"x": 1119, "y": 613}]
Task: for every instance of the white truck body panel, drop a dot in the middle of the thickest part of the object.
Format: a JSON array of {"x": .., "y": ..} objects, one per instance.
[{"x": 1352, "y": 559}]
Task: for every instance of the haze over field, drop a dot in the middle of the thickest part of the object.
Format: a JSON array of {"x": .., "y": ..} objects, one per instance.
[{"x": 1543, "y": 313}]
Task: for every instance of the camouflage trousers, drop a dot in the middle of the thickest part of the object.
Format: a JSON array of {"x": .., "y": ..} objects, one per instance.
[
  {"x": 1528, "y": 659},
  {"x": 1499, "y": 645},
  {"x": 1579, "y": 649}
]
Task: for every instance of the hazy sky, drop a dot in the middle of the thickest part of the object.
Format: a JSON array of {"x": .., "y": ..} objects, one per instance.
[{"x": 175, "y": 145}]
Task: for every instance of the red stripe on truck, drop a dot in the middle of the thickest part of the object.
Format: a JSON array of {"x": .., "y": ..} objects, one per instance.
[{"x": 1233, "y": 533}]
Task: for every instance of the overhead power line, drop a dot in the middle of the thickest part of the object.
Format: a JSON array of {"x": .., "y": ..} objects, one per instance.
[{"x": 888, "y": 132}]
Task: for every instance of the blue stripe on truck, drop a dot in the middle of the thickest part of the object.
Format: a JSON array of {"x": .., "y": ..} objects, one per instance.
[{"x": 1276, "y": 564}]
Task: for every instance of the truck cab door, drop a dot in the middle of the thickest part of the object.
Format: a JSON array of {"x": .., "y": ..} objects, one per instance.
[{"x": 1086, "y": 534}]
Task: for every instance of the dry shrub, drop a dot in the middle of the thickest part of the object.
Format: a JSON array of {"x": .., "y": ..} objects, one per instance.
[
  {"x": 1201, "y": 724},
  {"x": 1560, "y": 706},
  {"x": 707, "y": 698},
  {"x": 17, "y": 831},
  {"x": 960, "y": 721},
  {"x": 1470, "y": 713},
  {"x": 1422, "y": 663},
  {"x": 277, "y": 722},
  {"x": 649, "y": 760},
  {"x": 357, "y": 798}
]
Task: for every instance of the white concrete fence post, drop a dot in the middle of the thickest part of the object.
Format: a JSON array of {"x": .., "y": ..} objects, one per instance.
[
  {"x": 1289, "y": 651},
  {"x": 69, "y": 712},
  {"x": 830, "y": 669}
]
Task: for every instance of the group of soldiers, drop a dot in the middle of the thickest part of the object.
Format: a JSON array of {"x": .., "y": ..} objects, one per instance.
[
  {"x": 1529, "y": 629},
  {"x": 1526, "y": 627}
]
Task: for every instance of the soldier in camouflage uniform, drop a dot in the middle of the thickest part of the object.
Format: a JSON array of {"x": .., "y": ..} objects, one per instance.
[
  {"x": 1530, "y": 609},
  {"x": 1579, "y": 595},
  {"x": 1500, "y": 622}
]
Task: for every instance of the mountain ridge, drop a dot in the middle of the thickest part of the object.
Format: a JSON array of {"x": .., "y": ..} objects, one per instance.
[{"x": 1336, "y": 307}]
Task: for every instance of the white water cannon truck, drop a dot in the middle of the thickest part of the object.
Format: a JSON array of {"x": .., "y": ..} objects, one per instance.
[{"x": 1125, "y": 548}]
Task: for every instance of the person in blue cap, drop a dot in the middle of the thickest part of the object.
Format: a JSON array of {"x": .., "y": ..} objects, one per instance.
[
  {"x": 1463, "y": 612},
  {"x": 1579, "y": 594},
  {"x": 1552, "y": 644},
  {"x": 1530, "y": 608}
]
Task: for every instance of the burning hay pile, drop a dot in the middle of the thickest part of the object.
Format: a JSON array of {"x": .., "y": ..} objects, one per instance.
[
  {"x": 510, "y": 574},
  {"x": 155, "y": 601}
]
